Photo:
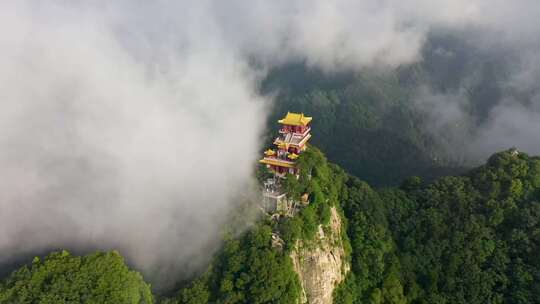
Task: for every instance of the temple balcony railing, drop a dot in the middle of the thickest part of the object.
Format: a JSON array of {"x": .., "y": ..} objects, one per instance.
[
  {"x": 279, "y": 159},
  {"x": 294, "y": 139},
  {"x": 284, "y": 131}
]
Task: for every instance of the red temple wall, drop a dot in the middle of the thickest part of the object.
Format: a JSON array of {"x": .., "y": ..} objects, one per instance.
[{"x": 296, "y": 129}]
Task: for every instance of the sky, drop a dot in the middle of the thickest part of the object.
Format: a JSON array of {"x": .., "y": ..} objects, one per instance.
[{"x": 135, "y": 124}]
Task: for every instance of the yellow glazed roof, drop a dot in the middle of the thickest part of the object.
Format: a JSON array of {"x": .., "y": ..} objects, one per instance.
[
  {"x": 292, "y": 156},
  {"x": 277, "y": 162},
  {"x": 295, "y": 119},
  {"x": 283, "y": 145},
  {"x": 269, "y": 152}
]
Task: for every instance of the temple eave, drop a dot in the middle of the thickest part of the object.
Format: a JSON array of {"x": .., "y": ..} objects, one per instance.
[
  {"x": 277, "y": 162},
  {"x": 295, "y": 119}
]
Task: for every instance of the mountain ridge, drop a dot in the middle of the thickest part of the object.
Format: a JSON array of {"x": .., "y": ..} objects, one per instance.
[{"x": 459, "y": 239}]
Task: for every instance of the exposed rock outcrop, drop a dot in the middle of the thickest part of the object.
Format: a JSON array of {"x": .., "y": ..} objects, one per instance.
[{"x": 321, "y": 263}]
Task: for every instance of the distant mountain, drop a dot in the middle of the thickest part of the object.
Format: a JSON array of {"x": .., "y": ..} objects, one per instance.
[
  {"x": 368, "y": 121},
  {"x": 413, "y": 222}
]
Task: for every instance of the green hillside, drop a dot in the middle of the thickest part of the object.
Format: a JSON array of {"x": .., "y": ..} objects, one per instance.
[
  {"x": 61, "y": 278},
  {"x": 369, "y": 123},
  {"x": 472, "y": 238}
]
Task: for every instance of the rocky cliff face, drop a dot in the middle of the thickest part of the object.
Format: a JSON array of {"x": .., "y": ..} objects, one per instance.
[{"x": 321, "y": 263}]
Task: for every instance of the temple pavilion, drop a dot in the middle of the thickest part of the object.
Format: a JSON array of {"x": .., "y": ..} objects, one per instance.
[{"x": 291, "y": 142}]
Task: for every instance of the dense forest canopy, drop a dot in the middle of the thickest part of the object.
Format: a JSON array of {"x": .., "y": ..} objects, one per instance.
[
  {"x": 445, "y": 235},
  {"x": 472, "y": 238},
  {"x": 383, "y": 125},
  {"x": 465, "y": 239},
  {"x": 61, "y": 278},
  {"x": 137, "y": 125}
]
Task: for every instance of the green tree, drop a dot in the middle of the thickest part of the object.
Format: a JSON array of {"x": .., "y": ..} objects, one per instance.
[{"x": 61, "y": 278}]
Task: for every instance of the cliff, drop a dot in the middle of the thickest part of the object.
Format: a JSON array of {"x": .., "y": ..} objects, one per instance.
[{"x": 321, "y": 263}]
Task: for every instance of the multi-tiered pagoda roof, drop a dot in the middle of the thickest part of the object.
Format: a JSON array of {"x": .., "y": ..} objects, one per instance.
[{"x": 291, "y": 142}]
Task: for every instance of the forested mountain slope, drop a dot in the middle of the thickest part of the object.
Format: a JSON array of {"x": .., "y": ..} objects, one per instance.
[
  {"x": 61, "y": 278},
  {"x": 472, "y": 238},
  {"x": 364, "y": 122},
  {"x": 466, "y": 239},
  {"x": 373, "y": 122}
]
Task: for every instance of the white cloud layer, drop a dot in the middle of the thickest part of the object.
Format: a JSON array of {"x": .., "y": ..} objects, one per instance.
[{"x": 135, "y": 124}]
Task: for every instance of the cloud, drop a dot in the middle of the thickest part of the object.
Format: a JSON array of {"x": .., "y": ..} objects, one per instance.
[
  {"x": 509, "y": 126},
  {"x": 136, "y": 124},
  {"x": 515, "y": 120},
  {"x": 104, "y": 147},
  {"x": 502, "y": 61}
]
